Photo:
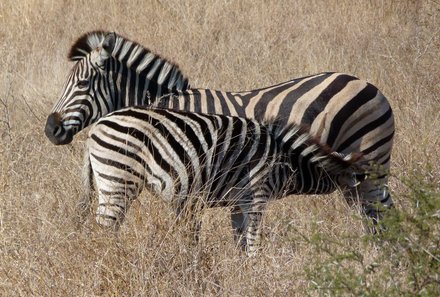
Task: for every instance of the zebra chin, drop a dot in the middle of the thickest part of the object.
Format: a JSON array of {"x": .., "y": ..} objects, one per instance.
[{"x": 55, "y": 131}]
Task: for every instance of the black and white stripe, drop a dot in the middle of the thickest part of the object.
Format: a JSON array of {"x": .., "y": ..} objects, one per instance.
[
  {"x": 348, "y": 114},
  {"x": 201, "y": 160}
]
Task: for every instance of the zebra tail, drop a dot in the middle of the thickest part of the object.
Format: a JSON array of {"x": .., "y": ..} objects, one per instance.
[{"x": 351, "y": 173}]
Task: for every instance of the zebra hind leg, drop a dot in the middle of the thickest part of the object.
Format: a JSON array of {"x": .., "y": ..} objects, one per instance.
[
  {"x": 253, "y": 217},
  {"x": 238, "y": 225},
  {"x": 375, "y": 201}
]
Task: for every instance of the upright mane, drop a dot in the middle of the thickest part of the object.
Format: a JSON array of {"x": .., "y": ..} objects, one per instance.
[
  {"x": 86, "y": 44},
  {"x": 140, "y": 58}
]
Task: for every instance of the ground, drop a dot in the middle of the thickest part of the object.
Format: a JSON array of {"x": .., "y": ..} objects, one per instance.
[{"x": 227, "y": 45}]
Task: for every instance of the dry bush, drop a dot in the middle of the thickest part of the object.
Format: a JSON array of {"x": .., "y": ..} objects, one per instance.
[{"x": 230, "y": 45}]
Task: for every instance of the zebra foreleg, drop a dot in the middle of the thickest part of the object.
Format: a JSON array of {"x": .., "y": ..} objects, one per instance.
[
  {"x": 252, "y": 213},
  {"x": 114, "y": 201},
  {"x": 253, "y": 229},
  {"x": 111, "y": 211},
  {"x": 188, "y": 214},
  {"x": 82, "y": 209}
]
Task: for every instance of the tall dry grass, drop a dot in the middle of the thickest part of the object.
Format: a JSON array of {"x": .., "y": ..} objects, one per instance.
[{"x": 230, "y": 45}]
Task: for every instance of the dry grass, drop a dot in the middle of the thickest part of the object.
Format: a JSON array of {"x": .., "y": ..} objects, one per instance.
[{"x": 231, "y": 45}]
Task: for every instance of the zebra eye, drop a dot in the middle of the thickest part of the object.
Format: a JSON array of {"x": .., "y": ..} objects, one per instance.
[{"x": 82, "y": 84}]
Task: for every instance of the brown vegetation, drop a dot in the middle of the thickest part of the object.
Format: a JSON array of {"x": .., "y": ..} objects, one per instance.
[{"x": 230, "y": 45}]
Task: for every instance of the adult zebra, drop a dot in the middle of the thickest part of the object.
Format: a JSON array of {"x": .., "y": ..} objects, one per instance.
[
  {"x": 198, "y": 160},
  {"x": 346, "y": 113}
]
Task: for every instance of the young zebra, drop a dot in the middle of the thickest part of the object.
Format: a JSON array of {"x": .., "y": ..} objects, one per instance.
[
  {"x": 342, "y": 111},
  {"x": 201, "y": 160}
]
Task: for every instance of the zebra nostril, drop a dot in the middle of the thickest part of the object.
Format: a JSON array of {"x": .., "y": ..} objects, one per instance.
[{"x": 56, "y": 130}]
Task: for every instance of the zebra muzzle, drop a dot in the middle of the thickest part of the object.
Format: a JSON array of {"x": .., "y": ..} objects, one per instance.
[{"x": 55, "y": 131}]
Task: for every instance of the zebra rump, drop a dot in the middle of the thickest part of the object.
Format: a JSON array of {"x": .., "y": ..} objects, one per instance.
[{"x": 198, "y": 160}]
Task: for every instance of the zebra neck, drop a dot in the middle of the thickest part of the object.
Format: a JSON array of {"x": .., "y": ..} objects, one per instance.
[
  {"x": 132, "y": 88},
  {"x": 142, "y": 72}
]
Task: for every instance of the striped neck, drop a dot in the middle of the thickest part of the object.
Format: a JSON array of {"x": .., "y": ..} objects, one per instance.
[
  {"x": 138, "y": 74},
  {"x": 155, "y": 74}
]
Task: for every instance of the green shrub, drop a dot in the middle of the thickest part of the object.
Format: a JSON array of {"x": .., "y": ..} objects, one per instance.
[{"x": 402, "y": 261}]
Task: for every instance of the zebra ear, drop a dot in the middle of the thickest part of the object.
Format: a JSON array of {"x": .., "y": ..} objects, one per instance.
[{"x": 109, "y": 42}]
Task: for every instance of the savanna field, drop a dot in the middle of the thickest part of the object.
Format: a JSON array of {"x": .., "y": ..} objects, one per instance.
[{"x": 312, "y": 245}]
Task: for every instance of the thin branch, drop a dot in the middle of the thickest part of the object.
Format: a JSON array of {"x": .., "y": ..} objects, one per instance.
[
  {"x": 7, "y": 122},
  {"x": 31, "y": 110}
]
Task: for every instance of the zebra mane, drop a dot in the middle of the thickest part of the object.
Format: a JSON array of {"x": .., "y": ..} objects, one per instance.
[
  {"x": 140, "y": 59},
  {"x": 85, "y": 45}
]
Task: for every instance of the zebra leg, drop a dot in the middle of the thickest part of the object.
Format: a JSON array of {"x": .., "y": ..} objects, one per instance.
[
  {"x": 188, "y": 213},
  {"x": 111, "y": 210},
  {"x": 114, "y": 201},
  {"x": 375, "y": 200},
  {"x": 238, "y": 225},
  {"x": 253, "y": 216},
  {"x": 195, "y": 226}
]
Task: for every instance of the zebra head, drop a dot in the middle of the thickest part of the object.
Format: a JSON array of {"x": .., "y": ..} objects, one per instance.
[{"x": 110, "y": 72}]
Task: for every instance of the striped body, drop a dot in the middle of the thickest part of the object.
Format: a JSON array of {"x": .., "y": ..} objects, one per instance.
[
  {"x": 342, "y": 111},
  {"x": 198, "y": 160},
  {"x": 347, "y": 114}
]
